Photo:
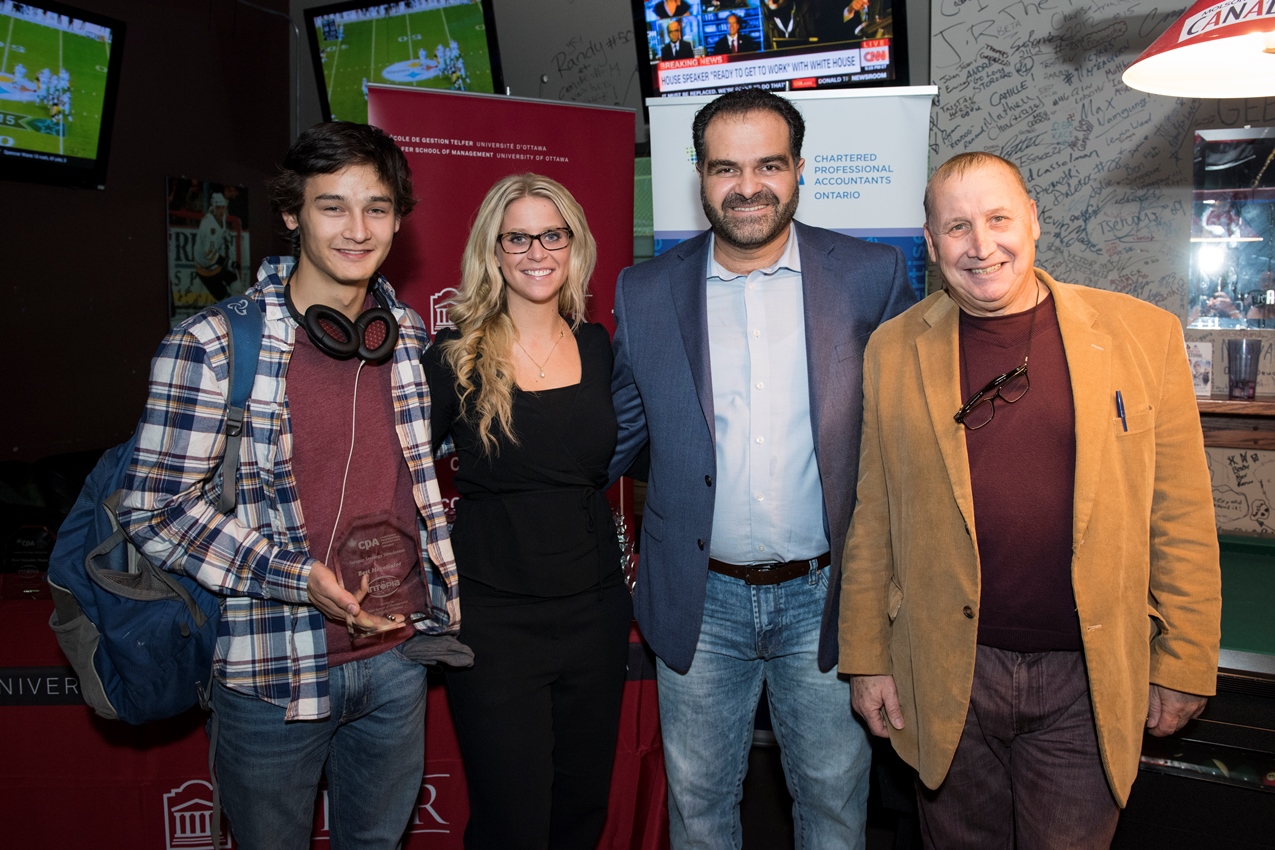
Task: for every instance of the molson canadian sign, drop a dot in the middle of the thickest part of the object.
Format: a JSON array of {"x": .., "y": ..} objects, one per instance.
[
  {"x": 1215, "y": 49},
  {"x": 1230, "y": 13}
]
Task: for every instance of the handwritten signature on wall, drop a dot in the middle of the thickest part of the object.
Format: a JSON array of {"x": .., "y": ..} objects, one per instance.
[
  {"x": 594, "y": 70},
  {"x": 1038, "y": 82}
]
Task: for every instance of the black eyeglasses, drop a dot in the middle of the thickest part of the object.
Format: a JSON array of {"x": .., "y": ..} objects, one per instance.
[
  {"x": 1009, "y": 388},
  {"x": 554, "y": 239},
  {"x": 981, "y": 407}
]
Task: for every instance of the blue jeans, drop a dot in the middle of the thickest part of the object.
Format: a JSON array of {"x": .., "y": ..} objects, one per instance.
[
  {"x": 750, "y": 635},
  {"x": 372, "y": 747}
]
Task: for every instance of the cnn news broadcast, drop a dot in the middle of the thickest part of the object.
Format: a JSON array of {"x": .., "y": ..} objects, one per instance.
[{"x": 697, "y": 47}]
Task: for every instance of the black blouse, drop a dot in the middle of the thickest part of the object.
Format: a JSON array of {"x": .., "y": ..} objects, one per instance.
[{"x": 532, "y": 518}]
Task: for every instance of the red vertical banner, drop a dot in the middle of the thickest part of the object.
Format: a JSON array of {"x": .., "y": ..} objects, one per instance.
[{"x": 459, "y": 144}]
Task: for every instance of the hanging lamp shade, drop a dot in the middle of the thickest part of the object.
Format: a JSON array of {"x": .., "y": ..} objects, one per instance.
[{"x": 1216, "y": 49}]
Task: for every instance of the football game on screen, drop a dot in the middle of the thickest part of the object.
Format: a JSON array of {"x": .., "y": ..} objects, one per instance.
[
  {"x": 52, "y": 81},
  {"x": 426, "y": 43}
]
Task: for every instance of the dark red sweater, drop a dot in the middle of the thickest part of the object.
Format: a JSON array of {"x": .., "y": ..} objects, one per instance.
[
  {"x": 320, "y": 404},
  {"x": 1022, "y": 469}
]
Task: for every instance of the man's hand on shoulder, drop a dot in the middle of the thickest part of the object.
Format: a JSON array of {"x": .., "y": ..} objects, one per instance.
[
  {"x": 1169, "y": 710},
  {"x": 875, "y": 699}
]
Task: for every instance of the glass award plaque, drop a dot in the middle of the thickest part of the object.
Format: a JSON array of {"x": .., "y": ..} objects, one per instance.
[{"x": 378, "y": 560}]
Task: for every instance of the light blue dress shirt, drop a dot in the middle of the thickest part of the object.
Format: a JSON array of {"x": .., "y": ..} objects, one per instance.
[{"x": 769, "y": 505}]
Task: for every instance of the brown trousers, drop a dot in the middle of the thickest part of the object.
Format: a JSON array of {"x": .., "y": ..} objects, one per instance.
[{"x": 1027, "y": 772}]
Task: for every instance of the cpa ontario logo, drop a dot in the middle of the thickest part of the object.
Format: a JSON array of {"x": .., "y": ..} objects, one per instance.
[
  {"x": 438, "y": 303},
  {"x": 188, "y": 817}
]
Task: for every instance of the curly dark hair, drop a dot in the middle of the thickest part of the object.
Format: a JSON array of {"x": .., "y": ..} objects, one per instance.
[
  {"x": 330, "y": 147},
  {"x": 741, "y": 102}
]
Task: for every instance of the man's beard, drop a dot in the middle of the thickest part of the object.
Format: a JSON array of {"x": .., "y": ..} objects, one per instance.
[{"x": 755, "y": 233}]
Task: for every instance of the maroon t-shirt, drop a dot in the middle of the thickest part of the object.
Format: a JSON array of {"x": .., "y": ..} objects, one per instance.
[
  {"x": 1023, "y": 471},
  {"x": 378, "y": 488}
]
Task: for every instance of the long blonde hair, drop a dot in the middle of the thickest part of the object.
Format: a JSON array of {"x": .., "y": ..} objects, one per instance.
[{"x": 481, "y": 356}]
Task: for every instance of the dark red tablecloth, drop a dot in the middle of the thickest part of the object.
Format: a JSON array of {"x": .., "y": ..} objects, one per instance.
[{"x": 71, "y": 779}]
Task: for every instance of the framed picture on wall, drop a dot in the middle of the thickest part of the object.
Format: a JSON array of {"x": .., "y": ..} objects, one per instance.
[
  {"x": 208, "y": 256},
  {"x": 1200, "y": 356}
]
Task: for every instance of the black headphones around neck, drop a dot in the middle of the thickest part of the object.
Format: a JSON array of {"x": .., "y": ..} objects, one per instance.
[{"x": 372, "y": 336}]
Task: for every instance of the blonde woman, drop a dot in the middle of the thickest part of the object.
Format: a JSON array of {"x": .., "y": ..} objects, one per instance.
[{"x": 523, "y": 387}]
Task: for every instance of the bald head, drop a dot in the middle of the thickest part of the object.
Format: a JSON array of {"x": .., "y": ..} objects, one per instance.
[{"x": 962, "y": 164}]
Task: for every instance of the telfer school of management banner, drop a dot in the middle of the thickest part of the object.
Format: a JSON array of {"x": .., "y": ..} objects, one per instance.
[
  {"x": 458, "y": 145},
  {"x": 867, "y": 160}
]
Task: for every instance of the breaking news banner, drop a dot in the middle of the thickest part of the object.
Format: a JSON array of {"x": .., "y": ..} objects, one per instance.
[
  {"x": 869, "y": 60},
  {"x": 867, "y": 160}
]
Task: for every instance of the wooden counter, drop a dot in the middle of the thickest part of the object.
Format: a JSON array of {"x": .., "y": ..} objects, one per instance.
[{"x": 1238, "y": 424}]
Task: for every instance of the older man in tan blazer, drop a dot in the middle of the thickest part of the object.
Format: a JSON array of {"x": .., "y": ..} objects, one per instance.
[{"x": 1031, "y": 577}]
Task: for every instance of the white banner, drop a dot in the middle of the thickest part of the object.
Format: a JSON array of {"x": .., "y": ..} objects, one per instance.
[{"x": 867, "y": 160}]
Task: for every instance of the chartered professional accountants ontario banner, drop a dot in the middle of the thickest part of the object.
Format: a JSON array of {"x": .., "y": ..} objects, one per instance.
[{"x": 867, "y": 160}]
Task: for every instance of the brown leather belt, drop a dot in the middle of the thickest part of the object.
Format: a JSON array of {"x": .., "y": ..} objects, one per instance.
[{"x": 768, "y": 573}]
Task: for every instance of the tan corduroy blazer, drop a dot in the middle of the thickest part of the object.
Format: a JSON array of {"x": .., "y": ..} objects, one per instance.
[{"x": 1145, "y": 554}]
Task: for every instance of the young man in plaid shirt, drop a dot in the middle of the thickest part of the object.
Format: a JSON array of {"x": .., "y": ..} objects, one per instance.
[{"x": 311, "y": 675}]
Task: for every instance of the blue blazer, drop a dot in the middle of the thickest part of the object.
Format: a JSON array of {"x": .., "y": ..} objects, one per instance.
[{"x": 664, "y": 397}]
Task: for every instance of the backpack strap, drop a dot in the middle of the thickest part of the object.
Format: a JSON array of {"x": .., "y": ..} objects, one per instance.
[{"x": 243, "y": 315}]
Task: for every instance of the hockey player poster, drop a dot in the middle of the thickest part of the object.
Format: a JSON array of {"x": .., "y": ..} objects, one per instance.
[{"x": 207, "y": 244}]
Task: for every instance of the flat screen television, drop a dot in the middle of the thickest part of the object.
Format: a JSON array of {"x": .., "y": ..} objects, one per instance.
[
  {"x": 59, "y": 75},
  {"x": 441, "y": 44},
  {"x": 691, "y": 47}
]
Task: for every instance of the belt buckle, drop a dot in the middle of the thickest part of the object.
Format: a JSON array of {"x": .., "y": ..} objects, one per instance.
[{"x": 759, "y": 568}]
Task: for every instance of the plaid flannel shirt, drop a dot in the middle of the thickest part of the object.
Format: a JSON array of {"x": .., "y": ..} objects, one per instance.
[{"x": 271, "y": 642}]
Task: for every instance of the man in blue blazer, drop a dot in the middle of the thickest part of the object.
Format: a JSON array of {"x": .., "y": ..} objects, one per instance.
[{"x": 738, "y": 361}]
